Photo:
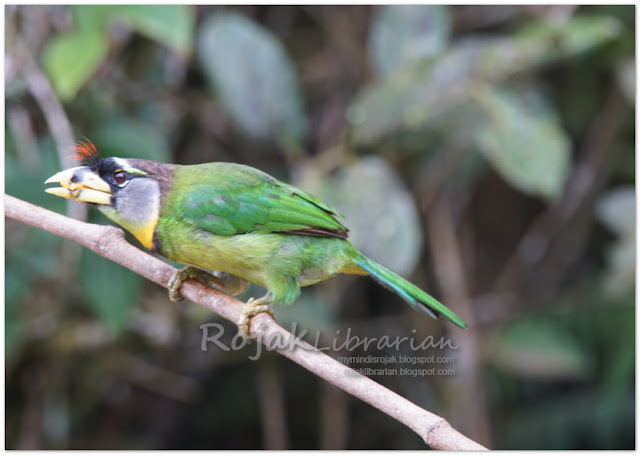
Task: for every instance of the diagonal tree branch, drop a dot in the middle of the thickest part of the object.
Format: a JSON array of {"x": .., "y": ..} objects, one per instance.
[{"x": 108, "y": 241}]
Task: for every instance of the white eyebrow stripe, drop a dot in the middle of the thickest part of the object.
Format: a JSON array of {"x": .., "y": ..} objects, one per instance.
[{"x": 122, "y": 163}]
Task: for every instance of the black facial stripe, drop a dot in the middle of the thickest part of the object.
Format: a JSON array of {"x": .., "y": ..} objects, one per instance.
[{"x": 106, "y": 168}]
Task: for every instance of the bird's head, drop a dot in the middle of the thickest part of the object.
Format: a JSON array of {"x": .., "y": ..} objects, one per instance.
[{"x": 127, "y": 191}]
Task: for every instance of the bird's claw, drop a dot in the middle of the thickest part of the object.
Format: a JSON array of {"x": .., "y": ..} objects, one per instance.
[
  {"x": 249, "y": 310},
  {"x": 188, "y": 272}
]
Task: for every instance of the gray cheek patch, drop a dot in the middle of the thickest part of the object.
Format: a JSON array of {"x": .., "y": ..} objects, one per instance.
[{"x": 139, "y": 201}]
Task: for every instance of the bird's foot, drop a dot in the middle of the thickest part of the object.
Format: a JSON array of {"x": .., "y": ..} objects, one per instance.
[
  {"x": 249, "y": 310},
  {"x": 231, "y": 284},
  {"x": 175, "y": 283}
]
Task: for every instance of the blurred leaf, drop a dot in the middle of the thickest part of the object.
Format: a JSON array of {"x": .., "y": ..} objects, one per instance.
[
  {"x": 253, "y": 78},
  {"x": 621, "y": 267},
  {"x": 70, "y": 60},
  {"x": 617, "y": 210},
  {"x": 111, "y": 289},
  {"x": 618, "y": 338},
  {"x": 379, "y": 211},
  {"x": 523, "y": 140},
  {"x": 13, "y": 328},
  {"x": 588, "y": 31},
  {"x": 34, "y": 255},
  {"x": 626, "y": 77},
  {"x": 578, "y": 35},
  {"x": 172, "y": 25},
  {"x": 540, "y": 350},
  {"x": 31, "y": 255},
  {"x": 91, "y": 18},
  {"x": 131, "y": 138},
  {"x": 27, "y": 182},
  {"x": 421, "y": 92},
  {"x": 404, "y": 33}
]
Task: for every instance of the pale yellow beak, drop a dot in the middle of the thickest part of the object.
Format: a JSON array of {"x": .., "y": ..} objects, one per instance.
[{"x": 81, "y": 184}]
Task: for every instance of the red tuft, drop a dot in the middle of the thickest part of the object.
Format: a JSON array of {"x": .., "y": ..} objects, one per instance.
[{"x": 85, "y": 152}]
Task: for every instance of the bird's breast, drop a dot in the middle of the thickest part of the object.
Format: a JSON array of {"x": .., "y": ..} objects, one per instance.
[{"x": 259, "y": 258}]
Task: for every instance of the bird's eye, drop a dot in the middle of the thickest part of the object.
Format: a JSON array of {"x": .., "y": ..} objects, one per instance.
[{"x": 119, "y": 177}]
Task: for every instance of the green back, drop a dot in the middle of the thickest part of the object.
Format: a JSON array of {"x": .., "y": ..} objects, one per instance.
[{"x": 229, "y": 199}]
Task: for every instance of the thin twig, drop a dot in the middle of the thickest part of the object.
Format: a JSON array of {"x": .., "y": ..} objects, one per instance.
[
  {"x": 57, "y": 120},
  {"x": 109, "y": 242},
  {"x": 62, "y": 133},
  {"x": 54, "y": 113},
  {"x": 587, "y": 178},
  {"x": 25, "y": 139},
  {"x": 469, "y": 403}
]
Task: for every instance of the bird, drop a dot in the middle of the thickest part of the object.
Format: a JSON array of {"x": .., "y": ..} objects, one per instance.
[{"x": 229, "y": 224}]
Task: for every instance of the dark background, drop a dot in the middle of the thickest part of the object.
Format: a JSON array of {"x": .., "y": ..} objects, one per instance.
[{"x": 485, "y": 153}]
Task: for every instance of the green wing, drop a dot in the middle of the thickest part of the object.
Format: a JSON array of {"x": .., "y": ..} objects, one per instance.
[{"x": 229, "y": 199}]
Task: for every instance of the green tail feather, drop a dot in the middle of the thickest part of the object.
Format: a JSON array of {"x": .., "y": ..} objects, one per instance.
[{"x": 416, "y": 297}]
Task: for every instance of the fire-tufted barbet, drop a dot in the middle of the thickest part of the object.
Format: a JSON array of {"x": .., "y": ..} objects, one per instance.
[{"x": 229, "y": 218}]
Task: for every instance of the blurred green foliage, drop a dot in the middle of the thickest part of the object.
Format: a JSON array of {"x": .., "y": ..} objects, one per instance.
[
  {"x": 518, "y": 118},
  {"x": 253, "y": 78},
  {"x": 72, "y": 58},
  {"x": 402, "y": 35},
  {"x": 110, "y": 289},
  {"x": 524, "y": 141}
]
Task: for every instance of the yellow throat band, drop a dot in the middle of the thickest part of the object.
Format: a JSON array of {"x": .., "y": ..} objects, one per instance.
[{"x": 144, "y": 233}]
